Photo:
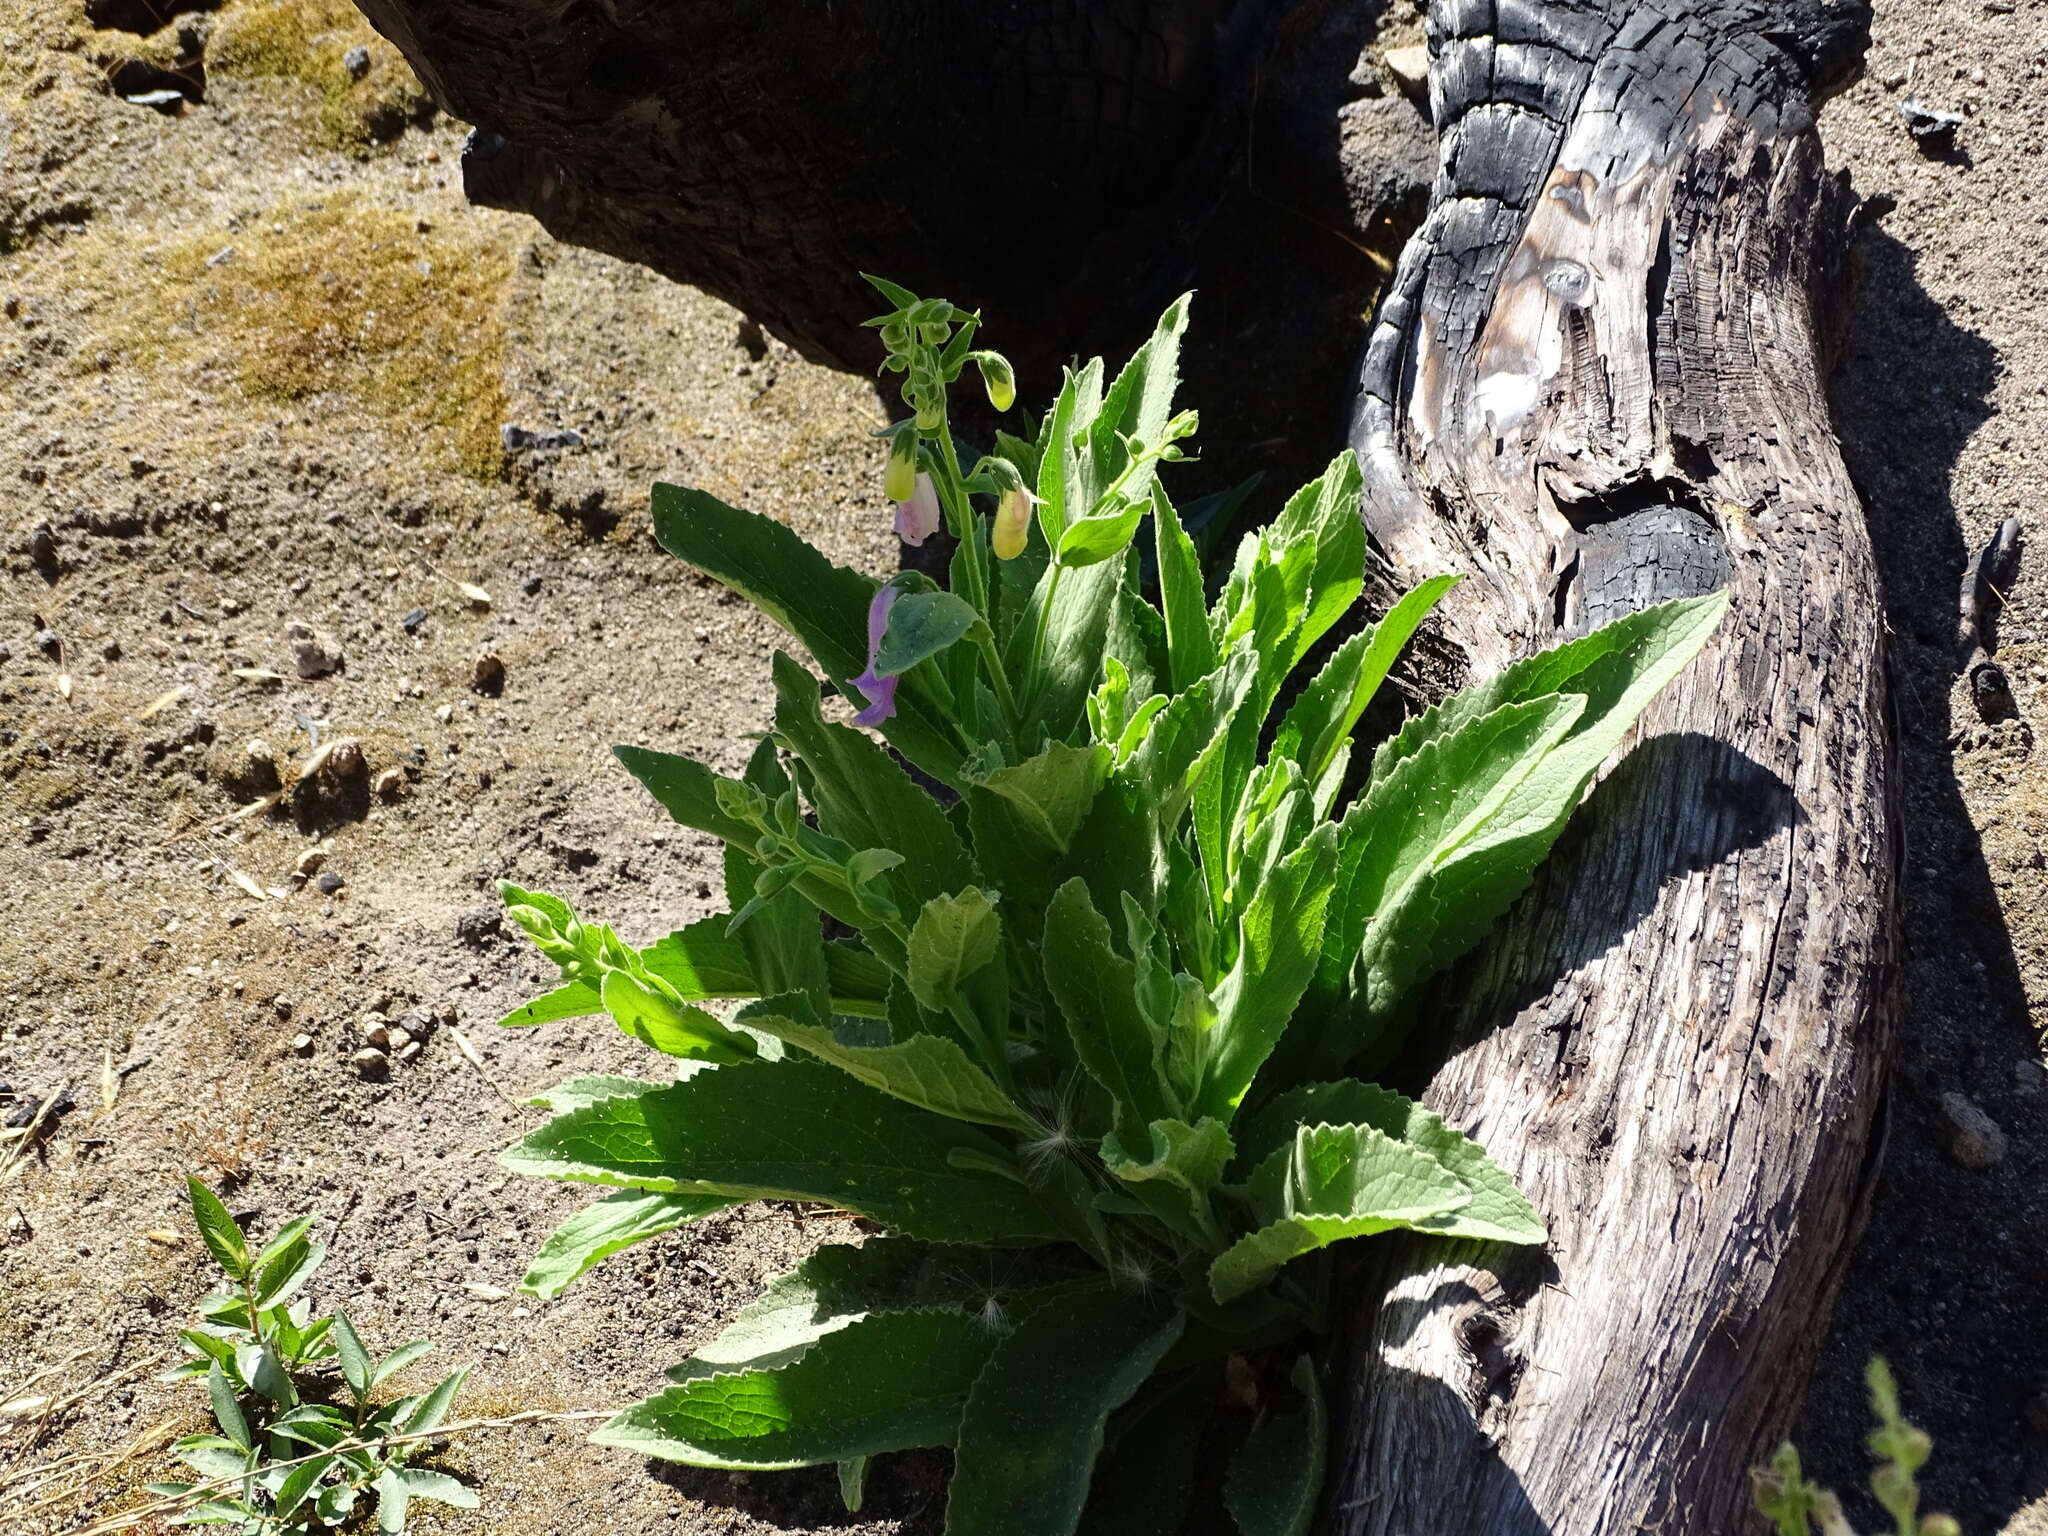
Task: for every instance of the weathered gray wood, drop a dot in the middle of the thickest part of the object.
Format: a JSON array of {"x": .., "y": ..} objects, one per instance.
[{"x": 1598, "y": 383}]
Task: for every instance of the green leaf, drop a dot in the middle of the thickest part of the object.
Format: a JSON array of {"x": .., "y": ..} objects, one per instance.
[
  {"x": 1279, "y": 941},
  {"x": 1138, "y": 406},
  {"x": 1096, "y": 991},
  {"x": 1190, "y": 646},
  {"x": 299, "y": 1482},
  {"x": 790, "y": 1130},
  {"x": 1322, "y": 718},
  {"x": 782, "y": 936},
  {"x": 922, "y": 624},
  {"x": 1145, "y": 1479},
  {"x": 336, "y": 1503},
  {"x": 283, "y": 1270},
  {"x": 675, "y": 1029},
  {"x": 840, "y": 1283},
  {"x": 399, "y": 1359},
  {"x": 1497, "y": 1212},
  {"x": 1408, "y": 826},
  {"x": 598, "y": 1231},
  {"x": 862, "y": 797},
  {"x": 1099, "y": 537},
  {"x": 392, "y": 1496},
  {"x": 1277, "y": 1476},
  {"x": 853, "y": 1483},
  {"x": 287, "y": 1235},
  {"x": 687, "y": 791},
  {"x": 887, "y": 1382},
  {"x": 354, "y": 1357},
  {"x": 1180, "y": 1164},
  {"x": 433, "y": 1408},
  {"x": 217, "y": 1230},
  {"x": 929, "y": 1071},
  {"x": 954, "y": 937},
  {"x": 1333, "y": 1182},
  {"x": 822, "y": 604},
  {"x": 438, "y": 1486},
  {"x": 1023, "y": 819},
  {"x": 227, "y": 1413},
  {"x": 1033, "y": 1424},
  {"x": 574, "y": 1000},
  {"x": 593, "y": 1089},
  {"x": 1618, "y": 668},
  {"x": 702, "y": 961},
  {"x": 1325, "y": 515}
]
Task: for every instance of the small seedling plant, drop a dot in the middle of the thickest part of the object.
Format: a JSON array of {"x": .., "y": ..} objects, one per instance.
[
  {"x": 287, "y": 1458},
  {"x": 1088, "y": 1036},
  {"x": 1801, "y": 1508}
]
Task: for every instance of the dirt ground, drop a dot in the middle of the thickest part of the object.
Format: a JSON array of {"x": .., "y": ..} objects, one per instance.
[{"x": 254, "y": 360}]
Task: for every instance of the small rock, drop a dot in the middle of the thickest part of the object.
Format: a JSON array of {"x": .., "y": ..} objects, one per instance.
[
  {"x": 389, "y": 784},
  {"x": 329, "y": 883},
  {"x": 310, "y": 861},
  {"x": 1932, "y": 128},
  {"x": 413, "y": 620},
  {"x": 42, "y": 549},
  {"x": 444, "y": 713},
  {"x": 1410, "y": 68},
  {"x": 446, "y": 1013},
  {"x": 397, "y": 1039},
  {"x": 302, "y": 1045},
  {"x": 356, "y": 61},
  {"x": 531, "y": 586},
  {"x": 1974, "y": 1138},
  {"x": 48, "y": 643},
  {"x": 410, "y": 1052},
  {"x": 523, "y": 439},
  {"x": 371, "y": 1065},
  {"x": 314, "y": 652},
  {"x": 376, "y": 1032},
  {"x": 487, "y": 674},
  {"x": 111, "y": 651},
  {"x": 478, "y": 928}
]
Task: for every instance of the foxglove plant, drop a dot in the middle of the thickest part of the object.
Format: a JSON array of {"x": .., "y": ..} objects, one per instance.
[{"x": 1091, "y": 1060}]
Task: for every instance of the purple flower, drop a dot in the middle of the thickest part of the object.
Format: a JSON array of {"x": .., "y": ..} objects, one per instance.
[
  {"x": 918, "y": 515},
  {"x": 880, "y": 691}
]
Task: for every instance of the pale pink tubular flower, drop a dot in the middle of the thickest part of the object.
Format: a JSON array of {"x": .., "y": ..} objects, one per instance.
[
  {"x": 880, "y": 691},
  {"x": 918, "y": 517}
]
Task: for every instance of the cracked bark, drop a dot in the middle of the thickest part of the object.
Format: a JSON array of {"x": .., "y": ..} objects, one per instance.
[{"x": 1597, "y": 383}]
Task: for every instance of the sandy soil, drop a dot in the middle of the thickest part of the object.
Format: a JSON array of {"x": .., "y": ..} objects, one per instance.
[{"x": 303, "y": 430}]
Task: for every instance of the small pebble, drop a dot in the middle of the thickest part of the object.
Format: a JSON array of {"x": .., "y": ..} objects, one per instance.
[
  {"x": 376, "y": 1032},
  {"x": 42, "y": 547},
  {"x": 314, "y": 653},
  {"x": 48, "y": 643},
  {"x": 371, "y": 1065},
  {"x": 389, "y": 784},
  {"x": 111, "y": 651},
  {"x": 487, "y": 675},
  {"x": 409, "y": 1052},
  {"x": 531, "y": 586},
  {"x": 356, "y": 61},
  {"x": 413, "y": 620},
  {"x": 310, "y": 861},
  {"x": 329, "y": 883},
  {"x": 302, "y": 1045},
  {"x": 1974, "y": 1138}
]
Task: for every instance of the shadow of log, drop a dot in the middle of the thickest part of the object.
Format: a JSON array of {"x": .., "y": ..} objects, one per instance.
[{"x": 1948, "y": 1282}]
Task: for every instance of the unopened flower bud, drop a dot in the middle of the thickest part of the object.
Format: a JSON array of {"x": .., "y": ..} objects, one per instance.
[
  {"x": 997, "y": 379},
  {"x": 900, "y": 483},
  {"x": 1013, "y": 523},
  {"x": 918, "y": 516}
]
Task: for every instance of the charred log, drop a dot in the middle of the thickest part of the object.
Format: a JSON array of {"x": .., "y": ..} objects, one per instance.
[{"x": 1597, "y": 383}]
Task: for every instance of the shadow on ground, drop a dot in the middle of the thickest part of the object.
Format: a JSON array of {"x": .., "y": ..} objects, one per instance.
[{"x": 1948, "y": 1282}]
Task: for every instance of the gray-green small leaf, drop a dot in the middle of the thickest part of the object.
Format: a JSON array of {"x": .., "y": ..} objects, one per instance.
[
  {"x": 598, "y": 1231},
  {"x": 217, "y": 1229},
  {"x": 954, "y": 937},
  {"x": 227, "y": 1413},
  {"x": 853, "y": 1483},
  {"x": 922, "y": 624}
]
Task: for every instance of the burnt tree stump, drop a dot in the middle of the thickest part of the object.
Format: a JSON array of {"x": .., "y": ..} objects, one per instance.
[{"x": 1597, "y": 382}]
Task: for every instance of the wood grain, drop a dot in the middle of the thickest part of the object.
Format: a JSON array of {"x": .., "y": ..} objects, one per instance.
[{"x": 1597, "y": 384}]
